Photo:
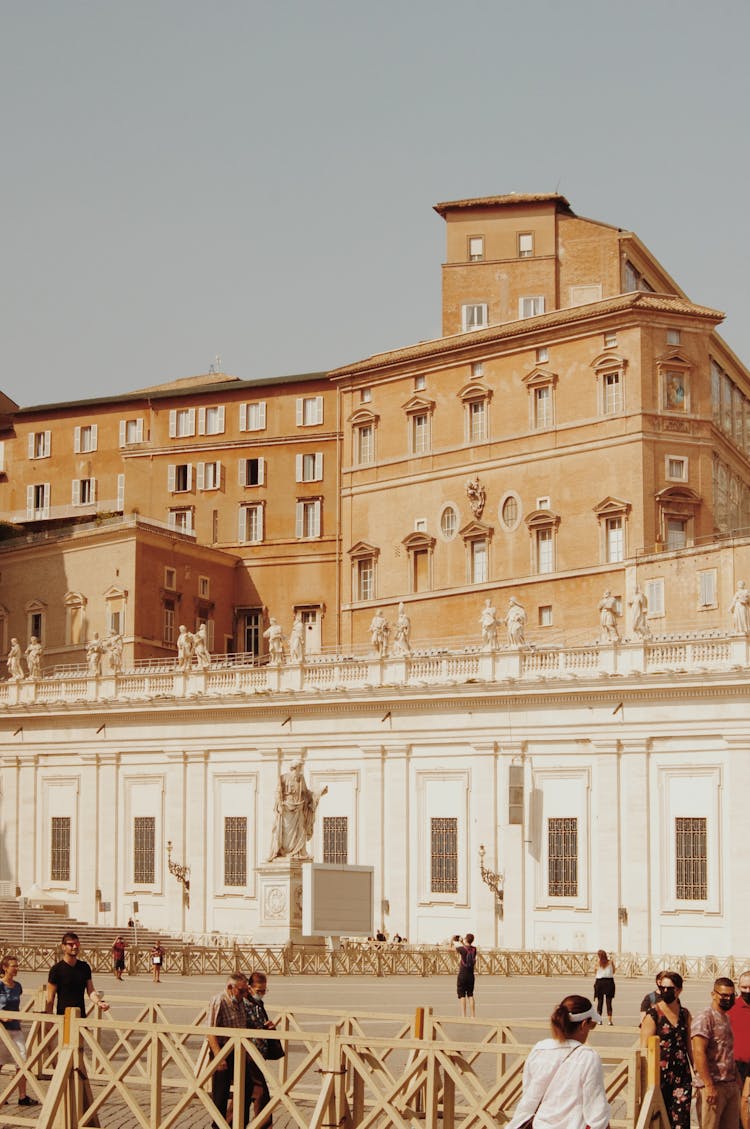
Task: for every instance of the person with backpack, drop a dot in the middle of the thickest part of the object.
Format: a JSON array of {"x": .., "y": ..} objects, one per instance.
[{"x": 467, "y": 954}]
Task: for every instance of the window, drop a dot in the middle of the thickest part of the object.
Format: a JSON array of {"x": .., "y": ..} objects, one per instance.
[
  {"x": 510, "y": 511},
  {"x": 366, "y": 578},
  {"x": 181, "y": 423},
  {"x": 235, "y": 850},
  {"x": 611, "y": 393},
  {"x": 615, "y": 534},
  {"x": 40, "y": 444},
  {"x": 204, "y": 587},
  {"x": 545, "y": 615},
  {"x": 37, "y": 501},
  {"x": 474, "y": 316},
  {"x": 676, "y": 532},
  {"x": 144, "y": 850},
  {"x": 477, "y": 369},
  {"x": 543, "y": 502},
  {"x": 673, "y": 337},
  {"x": 478, "y": 561},
  {"x": 677, "y": 468},
  {"x": 309, "y": 467},
  {"x": 84, "y": 491},
  {"x": 181, "y": 519},
  {"x": 610, "y": 340},
  {"x": 444, "y": 855},
  {"x": 542, "y": 355},
  {"x": 249, "y": 631},
  {"x": 170, "y": 578},
  {"x": 420, "y": 524},
  {"x": 420, "y": 383},
  {"x": 253, "y": 416},
  {"x": 477, "y": 421},
  {"x": 691, "y": 859},
  {"x": 36, "y": 620},
  {"x": 208, "y": 476},
  {"x": 476, "y": 248},
  {"x": 167, "y": 627},
  {"x": 545, "y": 551},
  {"x": 543, "y": 407},
  {"x": 59, "y": 863},
  {"x": 308, "y": 518},
  {"x": 634, "y": 280},
  {"x": 84, "y": 439},
  {"x": 179, "y": 478},
  {"x": 562, "y": 858},
  {"x": 251, "y": 524},
  {"x": 530, "y": 307},
  {"x": 525, "y": 244},
  {"x": 420, "y": 433},
  {"x": 211, "y": 420},
  {"x": 707, "y": 588},
  {"x": 364, "y": 440},
  {"x": 2, "y": 456},
  {"x": 365, "y": 395},
  {"x": 309, "y": 410},
  {"x": 336, "y": 839},
  {"x": 131, "y": 431},
  {"x": 655, "y": 597},
  {"x": 120, "y": 502},
  {"x": 252, "y": 472},
  {"x": 448, "y": 522}
]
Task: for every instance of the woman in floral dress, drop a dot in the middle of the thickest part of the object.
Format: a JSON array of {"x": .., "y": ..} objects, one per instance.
[{"x": 671, "y": 1022}]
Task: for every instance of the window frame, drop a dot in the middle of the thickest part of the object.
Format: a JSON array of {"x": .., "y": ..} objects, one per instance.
[{"x": 468, "y": 320}]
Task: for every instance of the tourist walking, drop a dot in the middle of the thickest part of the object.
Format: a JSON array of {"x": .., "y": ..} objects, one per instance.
[
  {"x": 467, "y": 954},
  {"x": 651, "y": 997},
  {"x": 10, "y": 1000},
  {"x": 713, "y": 1058},
  {"x": 157, "y": 961},
  {"x": 227, "y": 1010},
  {"x": 69, "y": 981},
  {"x": 739, "y": 1017},
  {"x": 118, "y": 956},
  {"x": 257, "y": 1016},
  {"x": 563, "y": 1080},
  {"x": 668, "y": 1019},
  {"x": 604, "y": 984}
]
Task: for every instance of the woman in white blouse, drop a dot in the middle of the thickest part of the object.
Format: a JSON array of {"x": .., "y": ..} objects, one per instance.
[{"x": 563, "y": 1080}]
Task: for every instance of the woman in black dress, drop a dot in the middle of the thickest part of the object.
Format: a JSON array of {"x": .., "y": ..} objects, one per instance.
[
  {"x": 671, "y": 1022},
  {"x": 465, "y": 982}
]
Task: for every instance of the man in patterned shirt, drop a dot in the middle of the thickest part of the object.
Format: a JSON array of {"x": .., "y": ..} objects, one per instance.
[
  {"x": 228, "y": 1010},
  {"x": 713, "y": 1055}
]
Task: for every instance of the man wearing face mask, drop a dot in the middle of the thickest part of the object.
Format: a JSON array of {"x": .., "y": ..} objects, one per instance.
[
  {"x": 713, "y": 1056},
  {"x": 739, "y": 1017}
]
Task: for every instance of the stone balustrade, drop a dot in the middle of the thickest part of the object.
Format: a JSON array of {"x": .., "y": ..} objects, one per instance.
[{"x": 689, "y": 656}]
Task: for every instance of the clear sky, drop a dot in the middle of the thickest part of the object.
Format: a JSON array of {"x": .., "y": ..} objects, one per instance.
[{"x": 256, "y": 180}]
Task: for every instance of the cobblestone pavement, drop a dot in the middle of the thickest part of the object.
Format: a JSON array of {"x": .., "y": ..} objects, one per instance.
[{"x": 497, "y": 997}]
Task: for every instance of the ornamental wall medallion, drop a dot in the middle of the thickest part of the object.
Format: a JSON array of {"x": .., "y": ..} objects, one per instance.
[
  {"x": 275, "y": 902},
  {"x": 477, "y": 495}
]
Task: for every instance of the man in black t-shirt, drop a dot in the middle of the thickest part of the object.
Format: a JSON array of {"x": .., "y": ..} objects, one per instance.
[
  {"x": 69, "y": 980},
  {"x": 650, "y": 999}
]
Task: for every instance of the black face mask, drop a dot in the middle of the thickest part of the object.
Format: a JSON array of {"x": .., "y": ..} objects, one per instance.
[
  {"x": 669, "y": 995},
  {"x": 746, "y": 997},
  {"x": 726, "y": 1002}
]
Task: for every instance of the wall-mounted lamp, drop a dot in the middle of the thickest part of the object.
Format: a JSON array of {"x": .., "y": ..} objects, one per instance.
[{"x": 181, "y": 873}]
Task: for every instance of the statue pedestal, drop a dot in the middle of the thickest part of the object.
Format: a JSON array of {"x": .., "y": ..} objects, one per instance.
[{"x": 280, "y": 896}]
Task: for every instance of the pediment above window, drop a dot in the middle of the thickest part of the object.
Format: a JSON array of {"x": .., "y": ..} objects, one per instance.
[
  {"x": 609, "y": 361},
  {"x": 362, "y": 549},
  {"x": 474, "y": 391},
  {"x": 74, "y": 600},
  {"x": 418, "y": 404},
  {"x": 416, "y": 541},
  {"x": 35, "y": 606},
  {"x": 476, "y": 531},
  {"x": 115, "y": 593},
  {"x": 673, "y": 358},
  {"x": 679, "y": 496},
  {"x": 363, "y": 416},
  {"x": 612, "y": 507},
  {"x": 538, "y": 519},
  {"x": 540, "y": 376}
]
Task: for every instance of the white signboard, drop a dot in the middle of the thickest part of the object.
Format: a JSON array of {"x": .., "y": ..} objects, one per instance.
[{"x": 337, "y": 901}]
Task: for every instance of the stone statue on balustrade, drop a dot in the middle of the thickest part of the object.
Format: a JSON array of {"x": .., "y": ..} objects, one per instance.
[
  {"x": 34, "y": 653},
  {"x": 297, "y": 640},
  {"x": 184, "y": 648},
  {"x": 94, "y": 652},
  {"x": 294, "y": 815},
  {"x": 476, "y": 492},
  {"x": 740, "y": 609},
  {"x": 515, "y": 623},
  {"x": 638, "y": 604},
  {"x": 200, "y": 648},
  {"x": 608, "y": 614},
  {"x": 402, "y": 633},
  {"x": 275, "y": 637},
  {"x": 379, "y": 632},
  {"x": 15, "y": 667},
  {"x": 114, "y": 647},
  {"x": 490, "y": 625}
]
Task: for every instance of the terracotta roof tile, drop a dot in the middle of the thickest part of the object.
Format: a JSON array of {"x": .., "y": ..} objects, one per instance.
[{"x": 508, "y": 199}]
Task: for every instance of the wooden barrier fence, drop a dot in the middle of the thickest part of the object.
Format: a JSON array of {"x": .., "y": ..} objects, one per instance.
[{"x": 366, "y": 1070}]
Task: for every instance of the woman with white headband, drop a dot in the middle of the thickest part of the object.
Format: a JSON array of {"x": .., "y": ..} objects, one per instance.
[{"x": 563, "y": 1080}]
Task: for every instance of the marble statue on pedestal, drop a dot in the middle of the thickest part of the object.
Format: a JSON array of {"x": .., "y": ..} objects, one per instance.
[
  {"x": 15, "y": 669},
  {"x": 294, "y": 815},
  {"x": 200, "y": 648},
  {"x": 275, "y": 637},
  {"x": 184, "y": 648},
  {"x": 114, "y": 650},
  {"x": 740, "y": 609},
  {"x": 379, "y": 632},
  {"x": 94, "y": 652},
  {"x": 489, "y": 623},
  {"x": 402, "y": 633},
  {"x": 34, "y": 653},
  {"x": 515, "y": 623},
  {"x": 297, "y": 639},
  {"x": 639, "y": 604},
  {"x": 608, "y": 614}
]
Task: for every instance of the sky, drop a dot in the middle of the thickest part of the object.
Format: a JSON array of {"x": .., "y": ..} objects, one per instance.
[{"x": 254, "y": 181}]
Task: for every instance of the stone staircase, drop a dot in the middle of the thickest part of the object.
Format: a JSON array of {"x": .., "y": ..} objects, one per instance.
[{"x": 45, "y": 927}]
